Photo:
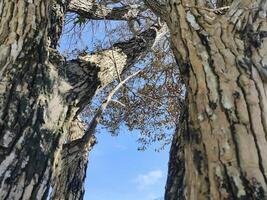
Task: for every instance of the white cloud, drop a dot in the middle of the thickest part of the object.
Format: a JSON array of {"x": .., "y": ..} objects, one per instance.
[{"x": 145, "y": 180}]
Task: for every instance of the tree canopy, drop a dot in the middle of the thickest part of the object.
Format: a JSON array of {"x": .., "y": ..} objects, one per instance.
[{"x": 151, "y": 101}]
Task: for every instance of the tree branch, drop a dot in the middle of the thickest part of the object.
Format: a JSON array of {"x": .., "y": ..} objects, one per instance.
[
  {"x": 92, "y": 10},
  {"x": 82, "y": 142},
  {"x": 74, "y": 155},
  {"x": 68, "y": 185},
  {"x": 89, "y": 72}
]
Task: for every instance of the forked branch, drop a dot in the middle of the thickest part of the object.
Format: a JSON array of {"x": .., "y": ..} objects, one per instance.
[{"x": 82, "y": 142}]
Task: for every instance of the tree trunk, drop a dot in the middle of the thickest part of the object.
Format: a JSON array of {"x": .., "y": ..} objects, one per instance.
[
  {"x": 70, "y": 170},
  {"x": 39, "y": 95},
  {"x": 222, "y": 58},
  {"x": 176, "y": 168},
  {"x": 33, "y": 115},
  {"x": 69, "y": 180}
]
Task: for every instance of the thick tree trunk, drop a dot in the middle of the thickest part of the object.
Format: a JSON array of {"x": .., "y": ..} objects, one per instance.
[
  {"x": 40, "y": 94},
  {"x": 223, "y": 62},
  {"x": 33, "y": 115}
]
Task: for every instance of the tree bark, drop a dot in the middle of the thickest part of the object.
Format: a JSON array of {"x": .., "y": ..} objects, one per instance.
[
  {"x": 41, "y": 94},
  {"x": 33, "y": 114},
  {"x": 38, "y": 99},
  {"x": 91, "y": 9},
  {"x": 69, "y": 180},
  {"x": 176, "y": 168},
  {"x": 222, "y": 58},
  {"x": 71, "y": 167}
]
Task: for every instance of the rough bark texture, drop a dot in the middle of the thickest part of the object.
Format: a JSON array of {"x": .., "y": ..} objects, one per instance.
[
  {"x": 93, "y": 10},
  {"x": 37, "y": 97},
  {"x": 174, "y": 186},
  {"x": 33, "y": 114},
  {"x": 176, "y": 168},
  {"x": 41, "y": 93},
  {"x": 70, "y": 171},
  {"x": 223, "y": 62},
  {"x": 69, "y": 180},
  {"x": 157, "y": 7}
]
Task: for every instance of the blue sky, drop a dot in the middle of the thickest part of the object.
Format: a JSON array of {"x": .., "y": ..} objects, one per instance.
[{"x": 117, "y": 171}]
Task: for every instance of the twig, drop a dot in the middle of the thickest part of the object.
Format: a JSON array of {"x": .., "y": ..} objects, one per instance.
[{"x": 118, "y": 102}]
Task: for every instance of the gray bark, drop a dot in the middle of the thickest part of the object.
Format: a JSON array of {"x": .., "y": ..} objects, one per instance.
[
  {"x": 30, "y": 89},
  {"x": 93, "y": 10},
  {"x": 71, "y": 173},
  {"x": 176, "y": 167},
  {"x": 37, "y": 102},
  {"x": 40, "y": 94},
  {"x": 222, "y": 59}
]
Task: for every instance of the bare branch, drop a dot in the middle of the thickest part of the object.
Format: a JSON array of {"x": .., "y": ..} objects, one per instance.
[
  {"x": 90, "y": 72},
  {"x": 90, "y": 9},
  {"x": 118, "y": 102},
  {"x": 92, "y": 126}
]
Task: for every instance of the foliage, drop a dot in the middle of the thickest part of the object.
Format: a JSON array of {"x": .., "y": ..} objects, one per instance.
[{"x": 151, "y": 101}]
